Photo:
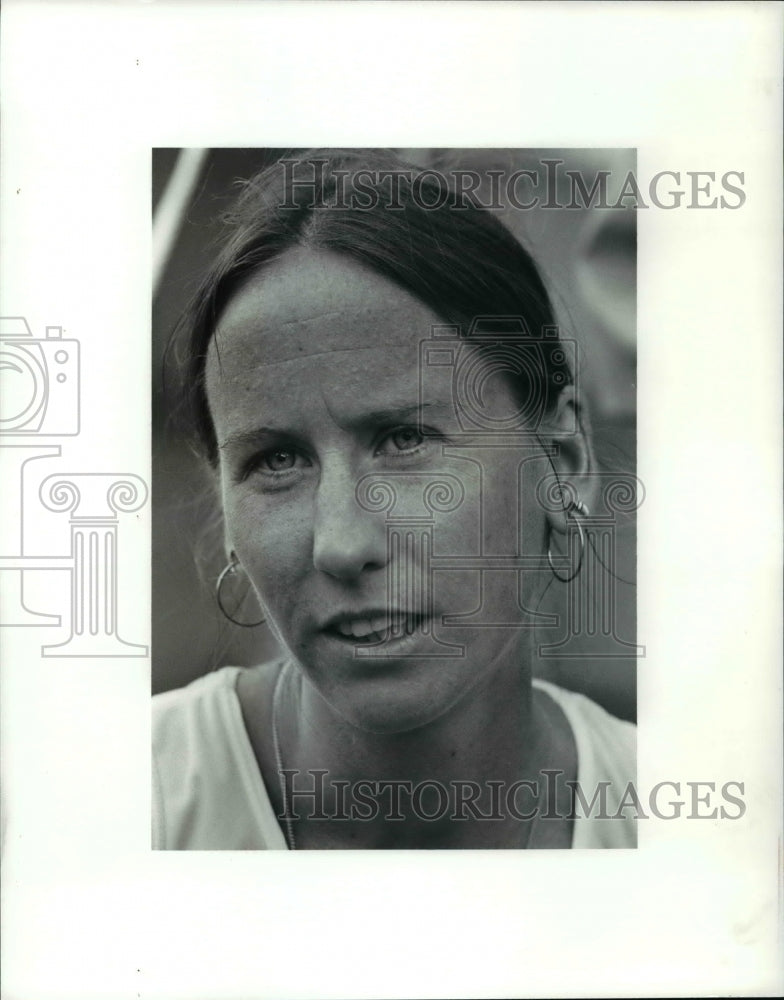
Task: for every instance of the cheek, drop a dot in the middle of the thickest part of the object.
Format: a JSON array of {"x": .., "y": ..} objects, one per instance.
[
  {"x": 498, "y": 515},
  {"x": 272, "y": 541}
]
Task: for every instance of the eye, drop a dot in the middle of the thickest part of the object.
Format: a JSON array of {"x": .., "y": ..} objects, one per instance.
[
  {"x": 274, "y": 462},
  {"x": 404, "y": 439},
  {"x": 278, "y": 460}
]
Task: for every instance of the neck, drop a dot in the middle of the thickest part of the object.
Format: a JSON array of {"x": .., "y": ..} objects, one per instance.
[{"x": 493, "y": 735}]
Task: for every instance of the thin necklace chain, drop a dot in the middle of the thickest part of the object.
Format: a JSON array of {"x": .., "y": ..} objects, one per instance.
[
  {"x": 287, "y": 818},
  {"x": 279, "y": 760}
]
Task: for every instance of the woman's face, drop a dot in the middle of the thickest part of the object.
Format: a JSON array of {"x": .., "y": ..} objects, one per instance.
[{"x": 318, "y": 395}]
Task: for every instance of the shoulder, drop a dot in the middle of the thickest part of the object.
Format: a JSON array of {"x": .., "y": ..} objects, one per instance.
[
  {"x": 202, "y": 688},
  {"x": 606, "y": 771},
  {"x": 207, "y": 792},
  {"x": 188, "y": 748},
  {"x": 176, "y": 715},
  {"x": 609, "y": 740},
  {"x": 190, "y": 719}
]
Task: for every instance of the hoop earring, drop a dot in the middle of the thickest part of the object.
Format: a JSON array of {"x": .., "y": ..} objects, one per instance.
[
  {"x": 579, "y": 507},
  {"x": 230, "y": 570}
]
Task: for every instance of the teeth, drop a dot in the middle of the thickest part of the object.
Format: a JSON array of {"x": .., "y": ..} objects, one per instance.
[
  {"x": 377, "y": 627},
  {"x": 361, "y": 628}
]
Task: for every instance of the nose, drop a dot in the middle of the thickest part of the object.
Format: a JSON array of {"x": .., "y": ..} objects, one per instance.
[{"x": 347, "y": 540}]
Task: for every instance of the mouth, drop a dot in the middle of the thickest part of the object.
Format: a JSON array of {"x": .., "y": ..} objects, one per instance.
[{"x": 373, "y": 628}]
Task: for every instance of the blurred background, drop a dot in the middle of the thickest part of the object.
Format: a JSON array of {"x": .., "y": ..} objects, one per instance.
[{"x": 588, "y": 258}]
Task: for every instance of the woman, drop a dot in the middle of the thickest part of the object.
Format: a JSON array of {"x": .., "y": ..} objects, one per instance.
[{"x": 376, "y": 382}]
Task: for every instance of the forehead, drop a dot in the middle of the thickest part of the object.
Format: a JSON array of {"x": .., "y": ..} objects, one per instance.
[
  {"x": 314, "y": 327},
  {"x": 308, "y": 304}
]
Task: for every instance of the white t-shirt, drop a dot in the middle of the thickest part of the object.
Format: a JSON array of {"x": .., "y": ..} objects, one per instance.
[{"x": 208, "y": 792}]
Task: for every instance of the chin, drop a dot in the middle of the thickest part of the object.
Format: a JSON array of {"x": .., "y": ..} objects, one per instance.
[{"x": 392, "y": 712}]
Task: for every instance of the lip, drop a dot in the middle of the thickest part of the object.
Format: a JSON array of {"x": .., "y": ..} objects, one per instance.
[
  {"x": 364, "y": 614},
  {"x": 391, "y": 625},
  {"x": 379, "y": 651}
]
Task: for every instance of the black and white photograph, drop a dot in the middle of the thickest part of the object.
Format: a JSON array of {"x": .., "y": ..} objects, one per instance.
[
  {"x": 410, "y": 496},
  {"x": 391, "y": 536}
]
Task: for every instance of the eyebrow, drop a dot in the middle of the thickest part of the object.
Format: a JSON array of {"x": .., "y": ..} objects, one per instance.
[{"x": 373, "y": 418}]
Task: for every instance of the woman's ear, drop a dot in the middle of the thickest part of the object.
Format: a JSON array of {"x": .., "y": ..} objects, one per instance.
[{"x": 567, "y": 437}]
